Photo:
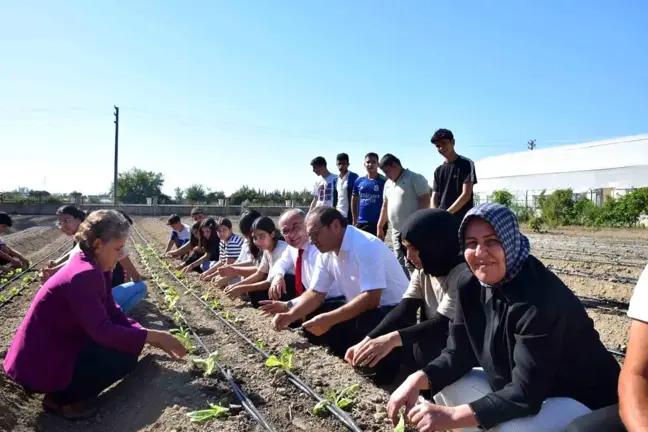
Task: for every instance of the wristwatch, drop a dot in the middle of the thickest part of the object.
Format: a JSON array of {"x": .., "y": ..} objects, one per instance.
[{"x": 290, "y": 304}]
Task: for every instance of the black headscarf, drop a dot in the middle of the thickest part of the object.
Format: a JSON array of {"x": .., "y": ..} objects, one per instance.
[{"x": 433, "y": 232}]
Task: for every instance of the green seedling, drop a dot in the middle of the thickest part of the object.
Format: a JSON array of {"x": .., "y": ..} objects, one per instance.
[
  {"x": 400, "y": 427},
  {"x": 4, "y": 281},
  {"x": 18, "y": 271},
  {"x": 10, "y": 274},
  {"x": 27, "y": 280},
  {"x": 283, "y": 362},
  {"x": 208, "y": 364},
  {"x": 179, "y": 274},
  {"x": 214, "y": 411},
  {"x": 14, "y": 291},
  {"x": 229, "y": 317},
  {"x": 205, "y": 296},
  {"x": 259, "y": 345},
  {"x": 167, "y": 266},
  {"x": 177, "y": 318},
  {"x": 3, "y": 299},
  {"x": 162, "y": 284},
  {"x": 215, "y": 304},
  {"x": 342, "y": 400},
  {"x": 184, "y": 336}
]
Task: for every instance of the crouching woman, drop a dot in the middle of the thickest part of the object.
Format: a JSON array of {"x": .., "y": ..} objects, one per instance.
[
  {"x": 522, "y": 354},
  {"x": 74, "y": 325}
]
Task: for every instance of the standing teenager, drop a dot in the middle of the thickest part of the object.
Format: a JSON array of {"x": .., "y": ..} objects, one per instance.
[
  {"x": 454, "y": 178},
  {"x": 344, "y": 186},
  {"x": 324, "y": 193},
  {"x": 367, "y": 197}
]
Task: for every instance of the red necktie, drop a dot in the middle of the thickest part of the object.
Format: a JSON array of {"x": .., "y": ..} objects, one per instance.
[{"x": 299, "y": 289}]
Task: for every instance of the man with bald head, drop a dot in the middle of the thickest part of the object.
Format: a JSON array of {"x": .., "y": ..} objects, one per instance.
[
  {"x": 295, "y": 266},
  {"x": 360, "y": 267}
]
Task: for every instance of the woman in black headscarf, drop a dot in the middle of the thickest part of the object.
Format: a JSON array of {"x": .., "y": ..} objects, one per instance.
[
  {"x": 522, "y": 354},
  {"x": 430, "y": 239}
]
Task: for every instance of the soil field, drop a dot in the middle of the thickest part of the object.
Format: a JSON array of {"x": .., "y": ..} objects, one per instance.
[{"x": 159, "y": 393}]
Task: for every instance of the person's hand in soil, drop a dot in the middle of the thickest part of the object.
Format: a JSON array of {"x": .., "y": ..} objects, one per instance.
[
  {"x": 188, "y": 268},
  {"x": 318, "y": 325},
  {"x": 166, "y": 342},
  {"x": 370, "y": 351},
  {"x": 282, "y": 321},
  {"x": 406, "y": 395},
  {"x": 428, "y": 417},
  {"x": 235, "y": 292},
  {"x": 277, "y": 288},
  {"x": 273, "y": 307}
]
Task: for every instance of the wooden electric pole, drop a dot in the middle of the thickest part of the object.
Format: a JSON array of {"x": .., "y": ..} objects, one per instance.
[{"x": 116, "y": 154}]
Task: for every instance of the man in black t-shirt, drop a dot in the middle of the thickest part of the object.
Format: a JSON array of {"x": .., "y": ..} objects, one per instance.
[{"x": 454, "y": 179}]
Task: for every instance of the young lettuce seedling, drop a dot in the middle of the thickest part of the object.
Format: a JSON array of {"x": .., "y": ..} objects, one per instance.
[
  {"x": 214, "y": 411},
  {"x": 184, "y": 336},
  {"x": 13, "y": 291},
  {"x": 283, "y": 362},
  {"x": 179, "y": 274},
  {"x": 400, "y": 427},
  {"x": 208, "y": 364},
  {"x": 3, "y": 299},
  {"x": 259, "y": 345},
  {"x": 342, "y": 400}
]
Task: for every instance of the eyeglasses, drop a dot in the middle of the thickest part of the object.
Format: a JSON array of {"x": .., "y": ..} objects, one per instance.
[
  {"x": 288, "y": 230},
  {"x": 60, "y": 223},
  {"x": 313, "y": 233}
]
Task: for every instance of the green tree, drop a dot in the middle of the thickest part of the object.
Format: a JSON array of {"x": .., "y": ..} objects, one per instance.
[
  {"x": 179, "y": 195},
  {"x": 134, "y": 186},
  {"x": 214, "y": 196},
  {"x": 503, "y": 197},
  {"x": 196, "y": 193}
]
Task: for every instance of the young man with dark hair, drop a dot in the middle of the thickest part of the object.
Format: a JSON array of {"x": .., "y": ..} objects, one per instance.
[
  {"x": 324, "y": 193},
  {"x": 454, "y": 178},
  {"x": 367, "y": 198},
  {"x": 405, "y": 192},
  {"x": 344, "y": 186},
  {"x": 180, "y": 233},
  {"x": 9, "y": 257},
  {"x": 198, "y": 215}
]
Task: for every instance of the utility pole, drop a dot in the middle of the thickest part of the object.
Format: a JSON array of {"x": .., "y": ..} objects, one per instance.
[
  {"x": 531, "y": 144},
  {"x": 116, "y": 154}
]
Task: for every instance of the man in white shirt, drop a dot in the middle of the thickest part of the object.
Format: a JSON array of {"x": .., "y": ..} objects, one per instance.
[
  {"x": 324, "y": 193},
  {"x": 357, "y": 264},
  {"x": 293, "y": 227}
]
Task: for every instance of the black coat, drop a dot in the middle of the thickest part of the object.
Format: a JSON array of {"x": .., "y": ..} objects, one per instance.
[{"x": 534, "y": 340}]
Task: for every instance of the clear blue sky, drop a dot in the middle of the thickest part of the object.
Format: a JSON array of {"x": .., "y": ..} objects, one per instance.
[{"x": 227, "y": 93}]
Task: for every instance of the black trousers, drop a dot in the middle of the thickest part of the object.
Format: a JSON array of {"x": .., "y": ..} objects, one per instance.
[
  {"x": 605, "y": 420},
  {"x": 344, "y": 335},
  {"x": 291, "y": 293},
  {"x": 96, "y": 368}
]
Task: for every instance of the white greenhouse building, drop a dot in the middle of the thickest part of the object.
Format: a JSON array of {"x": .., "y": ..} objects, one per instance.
[{"x": 595, "y": 170}]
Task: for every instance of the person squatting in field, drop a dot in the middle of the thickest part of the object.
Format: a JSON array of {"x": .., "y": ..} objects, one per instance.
[
  {"x": 187, "y": 249},
  {"x": 432, "y": 246},
  {"x": 180, "y": 233},
  {"x": 209, "y": 247},
  {"x": 272, "y": 245},
  {"x": 360, "y": 267},
  {"x": 9, "y": 257},
  {"x": 74, "y": 323},
  {"x": 190, "y": 251},
  {"x": 522, "y": 354},
  {"x": 229, "y": 249},
  {"x": 126, "y": 293}
]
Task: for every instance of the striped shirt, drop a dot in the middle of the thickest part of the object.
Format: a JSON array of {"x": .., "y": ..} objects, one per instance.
[{"x": 230, "y": 248}]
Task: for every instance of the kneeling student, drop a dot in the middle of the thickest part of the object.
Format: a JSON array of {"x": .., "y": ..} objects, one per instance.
[
  {"x": 180, "y": 233},
  {"x": 9, "y": 257}
]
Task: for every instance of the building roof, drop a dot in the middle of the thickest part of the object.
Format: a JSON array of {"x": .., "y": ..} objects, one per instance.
[{"x": 615, "y": 163}]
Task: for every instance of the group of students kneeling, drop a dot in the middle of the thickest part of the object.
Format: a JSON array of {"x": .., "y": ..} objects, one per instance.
[{"x": 481, "y": 336}]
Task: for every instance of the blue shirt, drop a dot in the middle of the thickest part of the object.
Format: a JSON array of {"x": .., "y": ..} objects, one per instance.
[{"x": 370, "y": 192}]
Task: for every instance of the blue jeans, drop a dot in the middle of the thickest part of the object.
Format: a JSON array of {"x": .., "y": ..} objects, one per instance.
[
  {"x": 129, "y": 294},
  {"x": 207, "y": 265}
]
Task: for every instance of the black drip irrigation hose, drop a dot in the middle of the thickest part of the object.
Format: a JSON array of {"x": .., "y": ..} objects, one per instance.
[
  {"x": 342, "y": 416},
  {"x": 240, "y": 395},
  {"x": 31, "y": 267},
  {"x": 607, "y": 304},
  {"x": 617, "y": 279}
]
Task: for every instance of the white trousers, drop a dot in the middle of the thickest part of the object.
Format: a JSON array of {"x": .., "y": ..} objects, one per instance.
[{"x": 555, "y": 414}]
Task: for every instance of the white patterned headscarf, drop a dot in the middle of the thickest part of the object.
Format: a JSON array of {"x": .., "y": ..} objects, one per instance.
[{"x": 515, "y": 244}]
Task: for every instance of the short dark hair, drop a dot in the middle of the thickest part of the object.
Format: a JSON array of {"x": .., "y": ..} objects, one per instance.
[
  {"x": 342, "y": 157},
  {"x": 72, "y": 211},
  {"x": 196, "y": 211},
  {"x": 173, "y": 219},
  {"x": 371, "y": 154},
  {"x": 5, "y": 219},
  {"x": 442, "y": 134},
  {"x": 326, "y": 216},
  {"x": 388, "y": 160},
  {"x": 225, "y": 222},
  {"x": 318, "y": 161}
]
